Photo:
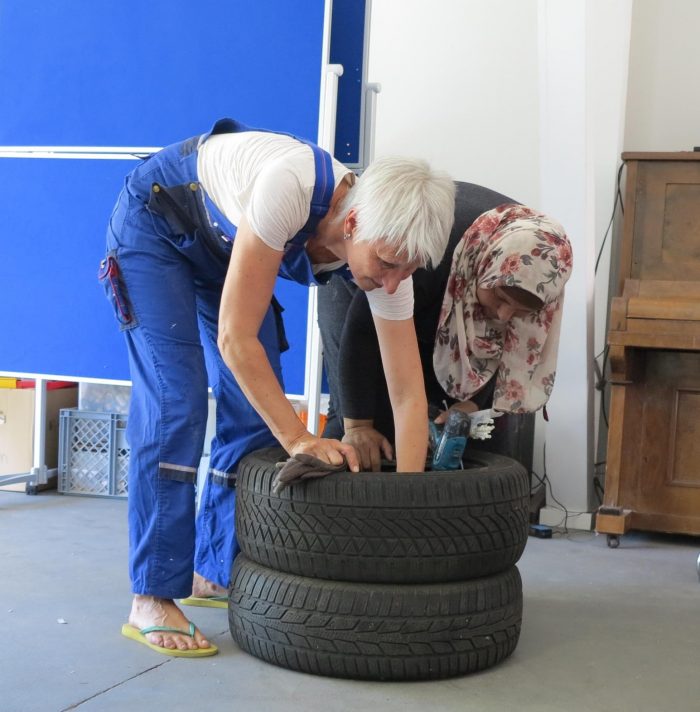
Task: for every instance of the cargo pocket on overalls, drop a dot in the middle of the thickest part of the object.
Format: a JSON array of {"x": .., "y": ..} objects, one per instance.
[
  {"x": 277, "y": 310},
  {"x": 173, "y": 204},
  {"x": 109, "y": 275}
]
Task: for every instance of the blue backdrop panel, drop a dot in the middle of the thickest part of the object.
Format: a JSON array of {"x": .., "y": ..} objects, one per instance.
[
  {"x": 347, "y": 48},
  {"x": 56, "y": 318},
  {"x": 126, "y": 73},
  {"x": 135, "y": 73},
  {"x": 55, "y": 214},
  {"x": 294, "y": 298}
]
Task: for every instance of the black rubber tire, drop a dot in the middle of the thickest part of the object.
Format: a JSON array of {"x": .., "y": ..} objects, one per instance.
[
  {"x": 383, "y": 527},
  {"x": 374, "y": 631}
]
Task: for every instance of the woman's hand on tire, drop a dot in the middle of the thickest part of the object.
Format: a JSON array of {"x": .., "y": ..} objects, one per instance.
[
  {"x": 327, "y": 450},
  {"x": 369, "y": 445}
]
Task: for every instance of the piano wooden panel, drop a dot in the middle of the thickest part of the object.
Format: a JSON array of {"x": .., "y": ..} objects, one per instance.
[{"x": 653, "y": 462}]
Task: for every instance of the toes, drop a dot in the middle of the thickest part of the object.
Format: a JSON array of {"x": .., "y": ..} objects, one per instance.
[
  {"x": 203, "y": 643},
  {"x": 157, "y": 640},
  {"x": 172, "y": 642}
]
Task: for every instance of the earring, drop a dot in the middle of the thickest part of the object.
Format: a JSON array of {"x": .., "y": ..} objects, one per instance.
[{"x": 347, "y": 235}]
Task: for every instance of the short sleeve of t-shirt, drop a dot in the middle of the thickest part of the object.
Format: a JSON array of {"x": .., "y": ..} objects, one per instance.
[
  {"x": 279, "y": 205},
  {"x": 396, "y": 306}
]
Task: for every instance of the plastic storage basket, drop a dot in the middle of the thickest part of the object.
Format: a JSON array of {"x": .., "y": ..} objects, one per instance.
[{"x": 93, "y": 457}]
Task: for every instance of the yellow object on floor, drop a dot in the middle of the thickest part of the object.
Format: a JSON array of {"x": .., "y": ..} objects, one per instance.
[
  {"x": 139, "y": 636},
  {"x": 206, "y": 601}
]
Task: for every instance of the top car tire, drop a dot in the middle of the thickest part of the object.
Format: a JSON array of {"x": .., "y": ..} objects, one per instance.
[{"x": 384, "y": 527}]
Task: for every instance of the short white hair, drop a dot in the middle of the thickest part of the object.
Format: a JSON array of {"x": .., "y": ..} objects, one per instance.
[{"x": 407, "y": 204}]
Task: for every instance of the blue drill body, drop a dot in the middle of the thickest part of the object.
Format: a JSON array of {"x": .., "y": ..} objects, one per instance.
[{"x": 448, "y": 445}]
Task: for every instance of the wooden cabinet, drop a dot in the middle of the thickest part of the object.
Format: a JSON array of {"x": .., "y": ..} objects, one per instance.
[{"x": 653, "y": 461}]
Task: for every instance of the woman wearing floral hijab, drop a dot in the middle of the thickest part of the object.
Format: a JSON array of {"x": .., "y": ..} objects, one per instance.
[
  {"x": 487, "y": 319},
  {"x": 501, "y": 313}
]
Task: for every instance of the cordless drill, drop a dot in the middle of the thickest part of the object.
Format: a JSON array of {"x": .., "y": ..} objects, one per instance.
[{"x": 448, "y": 445}]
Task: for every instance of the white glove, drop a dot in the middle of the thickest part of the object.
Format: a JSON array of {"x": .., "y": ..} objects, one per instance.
[{"x": 481, "y": 424}]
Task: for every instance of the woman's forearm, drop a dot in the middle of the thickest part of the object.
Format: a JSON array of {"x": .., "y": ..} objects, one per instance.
[
  {"x": 249, "y": 364},
  {"x": 245, "y": 300},
  {"x": 404, "y": 379},
  {"x": 411, "y": 424}
]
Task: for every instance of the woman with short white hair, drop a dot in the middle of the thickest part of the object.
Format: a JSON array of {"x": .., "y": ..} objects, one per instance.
[{"x": 200, "y": 233}]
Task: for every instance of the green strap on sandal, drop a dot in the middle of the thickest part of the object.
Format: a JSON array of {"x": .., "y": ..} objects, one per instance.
[{"x": 168, "y": 629}]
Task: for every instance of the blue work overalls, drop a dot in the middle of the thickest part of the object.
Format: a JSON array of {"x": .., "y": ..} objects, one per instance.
[{"x": 168, "y": 248}]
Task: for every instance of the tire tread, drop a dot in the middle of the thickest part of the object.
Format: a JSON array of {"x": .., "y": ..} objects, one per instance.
[
  {"x": 383, "y": 527},
  {"x": 375, "y": 631}
]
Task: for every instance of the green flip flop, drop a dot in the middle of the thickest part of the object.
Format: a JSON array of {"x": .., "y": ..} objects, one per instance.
[
  {"x": 206, "y": 601},
  {"x": 140, "y": 637}
]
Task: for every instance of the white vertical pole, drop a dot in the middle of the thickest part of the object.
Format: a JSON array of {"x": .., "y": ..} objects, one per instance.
[
  {"x": 326, "y": 139},
  {"x": 314, "y": 364},
  {"x": 370, "y": 119},
  {"x": 39, "y": 449},
  {"x": 314, "y": 348}
]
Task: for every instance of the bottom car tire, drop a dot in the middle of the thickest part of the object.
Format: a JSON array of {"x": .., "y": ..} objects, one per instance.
[{"x": 375, "y": 631}]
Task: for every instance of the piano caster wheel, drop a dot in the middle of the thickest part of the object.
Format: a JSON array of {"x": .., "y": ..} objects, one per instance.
[{"x": 614, "y": 542}]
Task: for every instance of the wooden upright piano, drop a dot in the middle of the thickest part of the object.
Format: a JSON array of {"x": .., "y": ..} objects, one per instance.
[{"x": 652, "y": 479}]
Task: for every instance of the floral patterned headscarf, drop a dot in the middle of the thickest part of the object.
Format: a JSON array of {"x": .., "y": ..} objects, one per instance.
[{"x": 509, "y": 246}]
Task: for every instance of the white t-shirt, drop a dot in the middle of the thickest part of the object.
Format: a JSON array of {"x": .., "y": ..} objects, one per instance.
[{"x": 270, "y": 179}]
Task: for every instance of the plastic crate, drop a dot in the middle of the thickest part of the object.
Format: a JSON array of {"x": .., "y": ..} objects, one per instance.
[{"x": 93, "y": 457}]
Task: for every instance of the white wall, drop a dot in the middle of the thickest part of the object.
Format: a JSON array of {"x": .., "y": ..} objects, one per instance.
[
  {"x": 565, "y": 192},
  {"x": 663, "y": 99},
  {"x": 583, "y": 52},
  {"x": 459, "y": 87}
]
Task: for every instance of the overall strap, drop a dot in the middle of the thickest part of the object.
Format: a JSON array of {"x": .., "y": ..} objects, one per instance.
[{"x": 323, "y": 187}]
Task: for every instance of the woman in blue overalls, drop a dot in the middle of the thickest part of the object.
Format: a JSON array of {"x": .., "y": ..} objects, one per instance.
[{"x": 193, "y": 301}]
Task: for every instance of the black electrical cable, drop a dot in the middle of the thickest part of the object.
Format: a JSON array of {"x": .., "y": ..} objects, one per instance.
[
  {"x": 551, "y": 490},
  {"x": 618, "y": 199},
  {"x": 540, "y": 480},
  {"x": 604, "y": 383},
  {"x": 598, "y": 489}
]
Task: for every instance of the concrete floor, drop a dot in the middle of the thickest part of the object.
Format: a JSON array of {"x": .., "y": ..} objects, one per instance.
[{"x": 603, "y": 630}]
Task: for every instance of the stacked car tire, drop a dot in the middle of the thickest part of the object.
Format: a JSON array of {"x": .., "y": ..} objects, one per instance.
[{"x": 379, "y": 575}]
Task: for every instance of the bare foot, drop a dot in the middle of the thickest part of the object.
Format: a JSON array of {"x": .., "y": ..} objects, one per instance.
[
  {"x": 147, "y": 611},
  {"x": 203, "y": 588}
]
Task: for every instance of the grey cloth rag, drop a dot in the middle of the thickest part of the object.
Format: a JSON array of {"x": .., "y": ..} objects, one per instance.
[{"x": 302, "y": 467}]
